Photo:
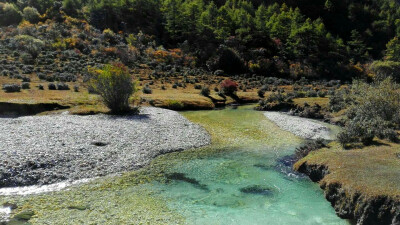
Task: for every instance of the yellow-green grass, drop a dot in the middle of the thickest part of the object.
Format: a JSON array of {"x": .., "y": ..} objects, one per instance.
[
  {"x": 372, "y": 171},
  {"x": 84, "y": 103},
  {"x": 323, "y": 102}
]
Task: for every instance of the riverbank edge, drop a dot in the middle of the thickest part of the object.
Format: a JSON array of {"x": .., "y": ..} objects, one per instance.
[{"x": 352, "y": 204}]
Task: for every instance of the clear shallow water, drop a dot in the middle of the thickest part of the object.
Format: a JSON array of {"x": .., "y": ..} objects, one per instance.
[
  {"x": 198, "y": 186},
  {"x": 209, "y": 192}
]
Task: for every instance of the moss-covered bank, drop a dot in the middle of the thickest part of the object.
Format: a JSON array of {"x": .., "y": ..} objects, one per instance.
[{"x": 361, "y": 184}]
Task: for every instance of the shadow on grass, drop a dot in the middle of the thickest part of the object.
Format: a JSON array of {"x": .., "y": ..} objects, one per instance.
[{"x": 375, "y": 143}]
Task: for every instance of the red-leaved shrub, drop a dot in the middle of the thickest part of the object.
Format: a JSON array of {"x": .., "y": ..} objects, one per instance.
[{"x": 229, "y": 87}]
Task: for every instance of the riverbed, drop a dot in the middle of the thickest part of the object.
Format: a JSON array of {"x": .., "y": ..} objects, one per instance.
[{"x": 243, "y": 177}]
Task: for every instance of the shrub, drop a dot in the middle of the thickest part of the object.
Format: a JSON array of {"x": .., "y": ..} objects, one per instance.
[
  {"x": 25, "y": 85},
  {"x": 374, "y": 112},
  {"x": 276, "y": 101},
  {"x": 31, "y": 45},
  {"x": 339, "y": 100},
  {"x": 229, "y": 87},
  {"x": 322, "y": 94},
  {"x": 62, "y": 86},
  {"x": 76, "y": 88},
  {"x": 31, "y": 14},
  {"x": 205, "y": 91},
  {"x": 384, "y": 69},
  {"x": 147, "y": 90},
  {"x": 9, "y": 14},
  {"x": 197, "y": 86},
  {"x": 40, "y": 87},
  {"x": 11, "y": 88},
  {"x": 261, "y": 93},
  {"x": 52, "y": 86},
  {"x": 312, "y": 94},
  {"x": 114, "y": 84},
  {"x": 27, "y": 59}
]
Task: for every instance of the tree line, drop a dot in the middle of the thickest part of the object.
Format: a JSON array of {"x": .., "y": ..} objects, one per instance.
[{"x": 311, "y": 38}]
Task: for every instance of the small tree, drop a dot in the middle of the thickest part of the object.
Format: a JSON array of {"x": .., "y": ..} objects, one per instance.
[
  {"x": 114, "y": 84},
  {"x": 393, "y": 49}
]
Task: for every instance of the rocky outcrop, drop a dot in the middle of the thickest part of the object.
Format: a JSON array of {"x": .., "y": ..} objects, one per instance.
[{"x": 353, "y": 204}]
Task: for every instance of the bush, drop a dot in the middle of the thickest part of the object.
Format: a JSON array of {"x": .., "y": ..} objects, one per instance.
[
  {"x": 52, "y": 86},
  {"x": 375, "y": 112},
  {"x": 147, "y": 90},
  {"x": 339, "y": 100},
  {"x": 11, "y": 88},
  {"x": 9, "y": 14},
  {"x": 384, "y": 69},
  {"x": 205, "y": 91},
  {"x": 25, "y": 85},
  {"x": 40, "y": 87},
  {"x": 114, "y": 84},
  {"x": 261, "y": 93},
  {"x": 31, "y": 14},
  {"x": 30, "y": 44},
  {"x": 76, "y": 88},
  {"x": 322, "y": 94},
  {"x": 197, "y": 86},
  {"x": 229, "y": 87},
  {"x": 62, "y": 86},
  {"x": 276, "y": 101},
  {"x": 312, "y": 94}
]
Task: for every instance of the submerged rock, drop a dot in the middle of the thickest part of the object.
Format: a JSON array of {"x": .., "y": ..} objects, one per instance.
[
  {"x": 182, "y": 177},
  {"x": 257, "y": 189}
]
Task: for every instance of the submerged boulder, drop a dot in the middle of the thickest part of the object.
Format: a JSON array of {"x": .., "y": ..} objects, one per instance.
[{"x": 257, "y": 189}]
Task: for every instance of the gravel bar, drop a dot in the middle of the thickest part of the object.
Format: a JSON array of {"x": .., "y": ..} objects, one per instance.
[
  {"x": 37, "y": 150},
  {"x": 302, "y": 127}
]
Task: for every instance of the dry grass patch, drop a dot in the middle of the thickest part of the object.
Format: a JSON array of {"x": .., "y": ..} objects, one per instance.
[
  {"x": 373, "y": 170},
  {"x": 323, "y": 102}
]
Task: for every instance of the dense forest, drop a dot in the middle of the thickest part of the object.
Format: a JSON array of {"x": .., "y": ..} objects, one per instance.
[{"x": 319, "y": 39}]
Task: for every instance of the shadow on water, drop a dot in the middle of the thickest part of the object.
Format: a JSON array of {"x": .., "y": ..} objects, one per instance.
[{"x": 182, "y": 177}]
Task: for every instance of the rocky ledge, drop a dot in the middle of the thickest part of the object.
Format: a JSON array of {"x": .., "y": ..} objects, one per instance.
[
  {"x": 49, "y": 149},
  {"x": 351, "y": 204}
]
